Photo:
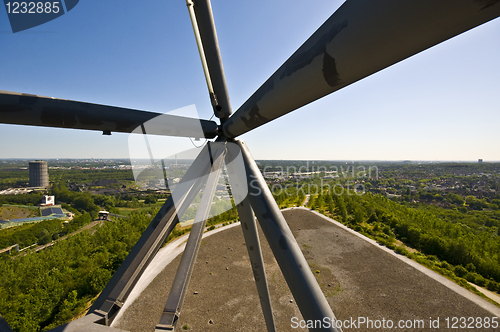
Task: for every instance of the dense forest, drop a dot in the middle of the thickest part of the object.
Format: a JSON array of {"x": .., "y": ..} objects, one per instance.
[{"x": 45, "y": 289}]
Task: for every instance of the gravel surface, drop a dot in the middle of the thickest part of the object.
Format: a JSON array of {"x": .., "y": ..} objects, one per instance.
[{"x": 359, "y": 280}]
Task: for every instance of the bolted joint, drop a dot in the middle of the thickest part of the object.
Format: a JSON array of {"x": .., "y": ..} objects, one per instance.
[{"x": 217, "y": 108}]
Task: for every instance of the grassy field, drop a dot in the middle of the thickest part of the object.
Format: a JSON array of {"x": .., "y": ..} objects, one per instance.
[
  {"x": 128, "y": 211},
  {"x": 16, "y": 212}
]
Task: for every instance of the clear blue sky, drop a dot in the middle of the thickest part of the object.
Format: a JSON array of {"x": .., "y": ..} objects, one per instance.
[{"x": 442, "y": 104}]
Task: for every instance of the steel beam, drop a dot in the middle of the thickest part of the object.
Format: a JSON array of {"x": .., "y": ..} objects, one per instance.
[
  {"x": 301, "y": 281},
  {"x": 206, "y": 27},
  {"x": 32, "y": 110},
  {"x": 178, "y": 291},
  {"x": 249, "y": 227},
  {"x": 359, "y": 39},
  {"x": 123, "y": 281}
]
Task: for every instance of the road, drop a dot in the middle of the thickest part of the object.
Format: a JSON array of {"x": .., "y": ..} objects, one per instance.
[{"x": 306, "y": 200}]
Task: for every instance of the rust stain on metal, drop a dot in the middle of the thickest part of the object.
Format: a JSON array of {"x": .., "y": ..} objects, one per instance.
[
  {"x": 330, "y": 72},
  {"x": 300, "y": 60},
  {"x": 486, "y": 3},
  {"x": 254, "y": 117}
]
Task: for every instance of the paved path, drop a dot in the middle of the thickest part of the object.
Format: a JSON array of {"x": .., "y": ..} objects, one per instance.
[
  {"x": 50, "y": 244},
  {"x": 308, "y": 197},
  {"x": 494, "y": 296},
  {"x": 9, "y": 249}
]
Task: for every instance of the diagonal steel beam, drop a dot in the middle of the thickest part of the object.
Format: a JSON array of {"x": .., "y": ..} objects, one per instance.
[
  {"x": 359, "y": 39},
  {"x": 249, "y": 227},
  {"x": 306, "y": 291},
  {"x": 252, "y": 241},
  {"x": 123, "y": 281},
  {"x": 202, "y": 19},
  {"x": 178, "y": 291},
  {"x": 237, "y": 180}
]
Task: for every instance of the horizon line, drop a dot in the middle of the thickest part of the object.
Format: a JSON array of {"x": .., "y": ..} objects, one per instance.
[{"x": 324, "y": 160}]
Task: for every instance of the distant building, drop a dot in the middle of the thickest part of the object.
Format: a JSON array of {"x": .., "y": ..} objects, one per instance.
[
  {"x": 39, "y": 174},
  {"x": 48, "y": 200},
  {"x": 479, "y": 160},
  {"x": 103, "y": 215}
]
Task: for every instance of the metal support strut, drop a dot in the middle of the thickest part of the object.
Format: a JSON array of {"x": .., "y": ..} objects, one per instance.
[
  {"x": 249, "y": 227},
  {"x": 252, "y": 241},
  {"x": 178, "y": 291},
  {"x": 200, "y": 12},
  {"x": 306, "y": 291}
]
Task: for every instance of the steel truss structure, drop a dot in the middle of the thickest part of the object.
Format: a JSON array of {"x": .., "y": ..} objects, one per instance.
[{"x": 359, "y": 39}]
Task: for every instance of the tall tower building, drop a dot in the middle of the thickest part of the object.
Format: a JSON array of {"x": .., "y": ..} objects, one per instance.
[{"x": 39, "y": 174}]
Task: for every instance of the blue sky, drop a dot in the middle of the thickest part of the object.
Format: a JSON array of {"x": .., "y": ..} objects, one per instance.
[{"x": 442, "y": 104}]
